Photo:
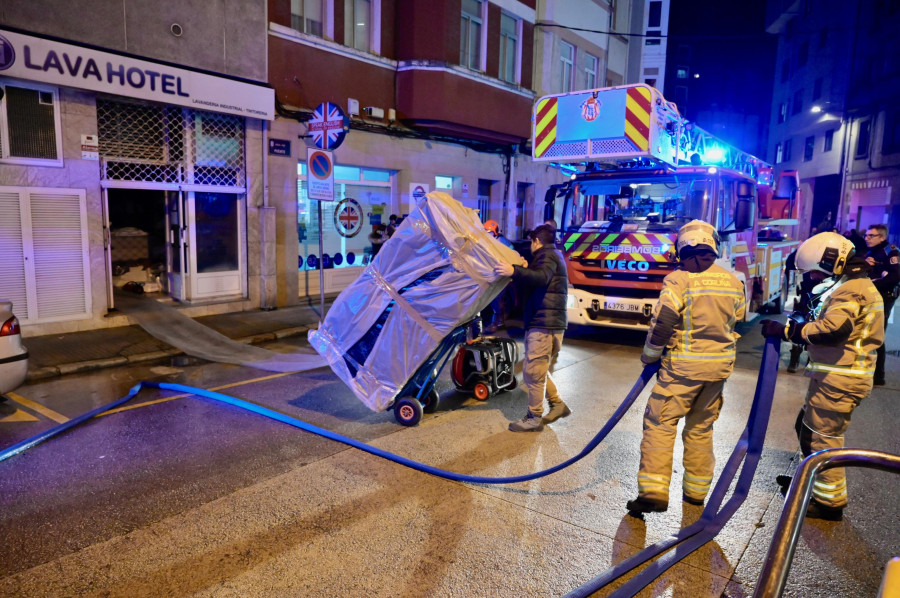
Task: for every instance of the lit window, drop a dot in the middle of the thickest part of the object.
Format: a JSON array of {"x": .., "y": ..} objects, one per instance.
[
  {"x": 358, "y": 24},
  {"x": 509, "y": 47},
  {"x": 443, "y": 182},
  {"x": 470, "y": 34},
  {"x": 567, "y": 58},
  {"x": 782, "y": 112},
  {"x": 590, "y": 71},
  {"x": 779, "y": 155},
  {"x": 682, "y": 72},
  {"x": 306, "y": 16},
  {"x": 29, "y": 124}
]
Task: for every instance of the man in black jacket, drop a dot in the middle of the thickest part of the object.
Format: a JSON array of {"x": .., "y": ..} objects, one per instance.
[
  {"x": 545, "y": 322},
  {"x": 884, "y": 261}
]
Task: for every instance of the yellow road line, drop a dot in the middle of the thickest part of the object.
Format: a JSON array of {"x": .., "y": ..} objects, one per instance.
[
  {"x": 46, "y": 412},
  {"x": 181, "y": 396}
]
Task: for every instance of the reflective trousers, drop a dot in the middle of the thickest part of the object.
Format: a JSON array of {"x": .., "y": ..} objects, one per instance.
[
  {"x": 541, "y": 348},
  {"x": 672, "y": 398},
  {"x": 821, "y": 425}
]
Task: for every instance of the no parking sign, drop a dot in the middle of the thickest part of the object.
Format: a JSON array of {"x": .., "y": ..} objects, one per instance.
[{"x": 320, "y": 179}]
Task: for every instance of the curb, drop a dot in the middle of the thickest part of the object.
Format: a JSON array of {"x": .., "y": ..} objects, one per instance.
[{"x": 53, "y": 371}]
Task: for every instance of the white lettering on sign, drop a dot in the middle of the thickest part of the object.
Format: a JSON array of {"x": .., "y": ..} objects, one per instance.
[
  {"x": 631, "y": 265},
  {"x": 57, "y": 63},
  {"x": 641, "y": 249}
]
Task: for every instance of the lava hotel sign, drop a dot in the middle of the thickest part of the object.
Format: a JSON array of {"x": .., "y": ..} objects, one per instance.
[{"x": 57, "y": 63}]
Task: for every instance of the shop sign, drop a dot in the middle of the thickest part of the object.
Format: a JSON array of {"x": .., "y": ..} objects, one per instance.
[
  {"x": 90, "y": 147},
  {"x": 418, "y": 190},
  {"x": 57, "y": 63},
  {"x": 279, "y": 147},
  {"x": 348, "y": 217},
  {"x": 327, "y": 126}
]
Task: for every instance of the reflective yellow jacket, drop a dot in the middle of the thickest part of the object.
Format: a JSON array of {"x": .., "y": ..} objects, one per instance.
[
  {"x": 850, "y": 327},
  {"x": 698, "y": 312}
]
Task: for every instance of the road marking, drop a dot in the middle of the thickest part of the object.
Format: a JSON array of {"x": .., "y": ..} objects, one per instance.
[
  {"x": 19, "y": 416},
  {"x": 46, "y": 412},
  {"x": 181, "y": 396}
]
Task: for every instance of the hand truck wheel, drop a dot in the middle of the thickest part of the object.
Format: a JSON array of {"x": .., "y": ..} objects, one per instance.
[
  {"x": 430, "y": 401},
  {"x": 408, "y": 411}
]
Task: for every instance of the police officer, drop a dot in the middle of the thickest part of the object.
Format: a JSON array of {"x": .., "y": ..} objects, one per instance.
[
  {"x": 884, "y": 262},
  {"x": 694, "y": 318},
  {"x": 841, "y": 342}
]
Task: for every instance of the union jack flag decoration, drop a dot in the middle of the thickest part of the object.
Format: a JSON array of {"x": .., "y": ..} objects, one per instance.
[{"x": 327, "y": 126}]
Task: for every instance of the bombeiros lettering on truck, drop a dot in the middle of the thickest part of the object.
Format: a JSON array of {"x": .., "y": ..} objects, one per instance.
[{"x": 638, "y": 171}]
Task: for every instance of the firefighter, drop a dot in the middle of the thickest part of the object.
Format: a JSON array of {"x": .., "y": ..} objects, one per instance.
[
  {"x": 694, "y": 319},
  {"x": 841, "y": 342},
  {"x": 884, "y": 261}
]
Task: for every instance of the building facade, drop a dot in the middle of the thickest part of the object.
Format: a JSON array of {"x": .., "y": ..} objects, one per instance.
[
  {"x": 131, "y": 152},
  {"x": 834, "y": 115}
]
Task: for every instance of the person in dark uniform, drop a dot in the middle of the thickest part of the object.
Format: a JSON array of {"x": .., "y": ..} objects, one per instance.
[{"x": 884, "y": 261}]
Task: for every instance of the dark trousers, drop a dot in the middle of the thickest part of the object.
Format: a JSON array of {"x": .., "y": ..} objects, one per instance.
[{"x": 879, "y": 359}]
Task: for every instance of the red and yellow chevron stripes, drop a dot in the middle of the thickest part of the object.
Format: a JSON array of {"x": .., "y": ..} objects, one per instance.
[
  {"x": 544, "y": 126},
  {"x": 646, "y": 247},
  {"x": 637, "y": 117}
]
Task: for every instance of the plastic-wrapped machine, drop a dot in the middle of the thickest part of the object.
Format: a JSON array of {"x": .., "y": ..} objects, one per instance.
[{"x": 435, "y": 273}]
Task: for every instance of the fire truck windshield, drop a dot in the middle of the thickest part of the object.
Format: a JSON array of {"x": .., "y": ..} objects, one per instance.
[{"x": 652, "y": 202}]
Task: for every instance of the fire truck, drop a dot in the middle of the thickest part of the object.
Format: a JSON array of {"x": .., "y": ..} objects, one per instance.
[{"x": 638, "y": 171}]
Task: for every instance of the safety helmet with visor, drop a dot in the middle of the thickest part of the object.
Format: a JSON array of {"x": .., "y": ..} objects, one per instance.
[
  {"x": 825, "y": 252},
  {"x": 491, "y": 226},
  {"x": 697, "y": 235}
]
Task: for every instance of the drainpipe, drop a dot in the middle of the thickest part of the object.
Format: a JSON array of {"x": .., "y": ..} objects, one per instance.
[{"x": 268, "y": 271}]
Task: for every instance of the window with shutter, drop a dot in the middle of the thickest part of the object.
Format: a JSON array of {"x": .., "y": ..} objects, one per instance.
[
  {"x": 43, "y": 235},
  {"x": 29, "y": 124}
]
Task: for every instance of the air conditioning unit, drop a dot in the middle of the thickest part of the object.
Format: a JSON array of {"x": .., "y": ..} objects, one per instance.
[{"x": 374, "y": 112}]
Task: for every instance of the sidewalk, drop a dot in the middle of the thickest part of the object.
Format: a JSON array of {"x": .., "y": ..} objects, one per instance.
[{"x": 60, "y": 354}]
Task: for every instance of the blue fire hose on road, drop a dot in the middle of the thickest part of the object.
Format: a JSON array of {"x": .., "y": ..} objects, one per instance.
[
  {"x": 685, "y": 541},
  {"x": 647, "y": 373}
]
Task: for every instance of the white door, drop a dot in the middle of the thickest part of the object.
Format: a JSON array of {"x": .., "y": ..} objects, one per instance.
[
  {"x": 176, "y": 238},
  {"x": 216, "y": 256}
]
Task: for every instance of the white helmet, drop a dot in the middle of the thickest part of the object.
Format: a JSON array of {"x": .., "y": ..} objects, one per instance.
[
  {"x": 696, "y": 233},
  {"x": 826, "y": 252}
]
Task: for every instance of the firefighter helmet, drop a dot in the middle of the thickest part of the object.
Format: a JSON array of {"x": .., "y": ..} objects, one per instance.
[
  {"x": 491, "y": 226},
  {"x": 825, "y": 252},
  {"x": 697, "y": 234}
]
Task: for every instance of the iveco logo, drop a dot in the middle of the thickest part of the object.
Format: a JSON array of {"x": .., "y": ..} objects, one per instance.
[{"x": 7, "y": 54}]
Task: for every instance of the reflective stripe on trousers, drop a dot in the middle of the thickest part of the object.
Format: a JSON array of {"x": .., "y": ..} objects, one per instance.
[{"x": 671, "y": 399}]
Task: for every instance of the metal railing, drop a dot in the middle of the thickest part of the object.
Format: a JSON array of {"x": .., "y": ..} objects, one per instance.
[{"x": 775, "y": 570}]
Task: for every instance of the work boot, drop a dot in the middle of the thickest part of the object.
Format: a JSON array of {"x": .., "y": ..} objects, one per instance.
[
  {"x": 697, "y": 502},
  {"x": 557, "y": 410},
  {"x": 878, "y": 382},
  {"x": 784, "y": 482},
  {"x": 817, "y": 510},
  {"x": 529, "y": 423},
  {"x": 645, "y": 505}
]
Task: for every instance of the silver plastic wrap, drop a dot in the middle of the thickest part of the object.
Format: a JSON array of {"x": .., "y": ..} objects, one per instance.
[{"x": 435, "y": 273}]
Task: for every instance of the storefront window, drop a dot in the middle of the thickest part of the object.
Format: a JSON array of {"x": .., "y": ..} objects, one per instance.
[{"x": 362, "y": 201}]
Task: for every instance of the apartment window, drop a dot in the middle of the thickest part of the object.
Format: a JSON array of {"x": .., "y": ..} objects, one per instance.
[
  {"x": 306, "y": 16},
  {"x": 358, "y": 24},
  {"x": 654, "y": 15},
  {"x": 829, "y": 140},
  {"x": 681, "y": 72},
  {"x": 567, "y": 60},
  {"x": 30, "y": 131},
  {"x": 785, "y": 71},
  {"x": 798, "y": 102},
  {"x": 862, "y": 140},
  {"x": 817, "y": 89},
  {"x": 470, "y": 34},
  {"x": 590, "y": 71},
  {"x": 890, "y": 142},
  {"x": 779, "y": 153},
  {"x": 803, "y": 54},
  {"x": 782, "y": 112},
  {"x": 509, "y": 48},
  {"x": 612, "y": 14},
  {"x": 809, "y": 148},
  {"x": 653, "y": 38},
  {"x": 787, "y": 150}
]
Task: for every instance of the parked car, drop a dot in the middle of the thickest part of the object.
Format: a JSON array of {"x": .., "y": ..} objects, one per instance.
[{"x": 13, "y": 354}]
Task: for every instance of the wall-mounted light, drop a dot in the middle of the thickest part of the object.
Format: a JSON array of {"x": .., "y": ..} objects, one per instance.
[{"x": 816, "y": 109}]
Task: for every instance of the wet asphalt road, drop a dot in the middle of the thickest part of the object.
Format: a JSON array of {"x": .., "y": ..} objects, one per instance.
[{"x": 105, "y": 499}]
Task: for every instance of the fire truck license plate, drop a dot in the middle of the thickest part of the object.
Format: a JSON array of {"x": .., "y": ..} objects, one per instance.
[{"x": 620, "y": 306}]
